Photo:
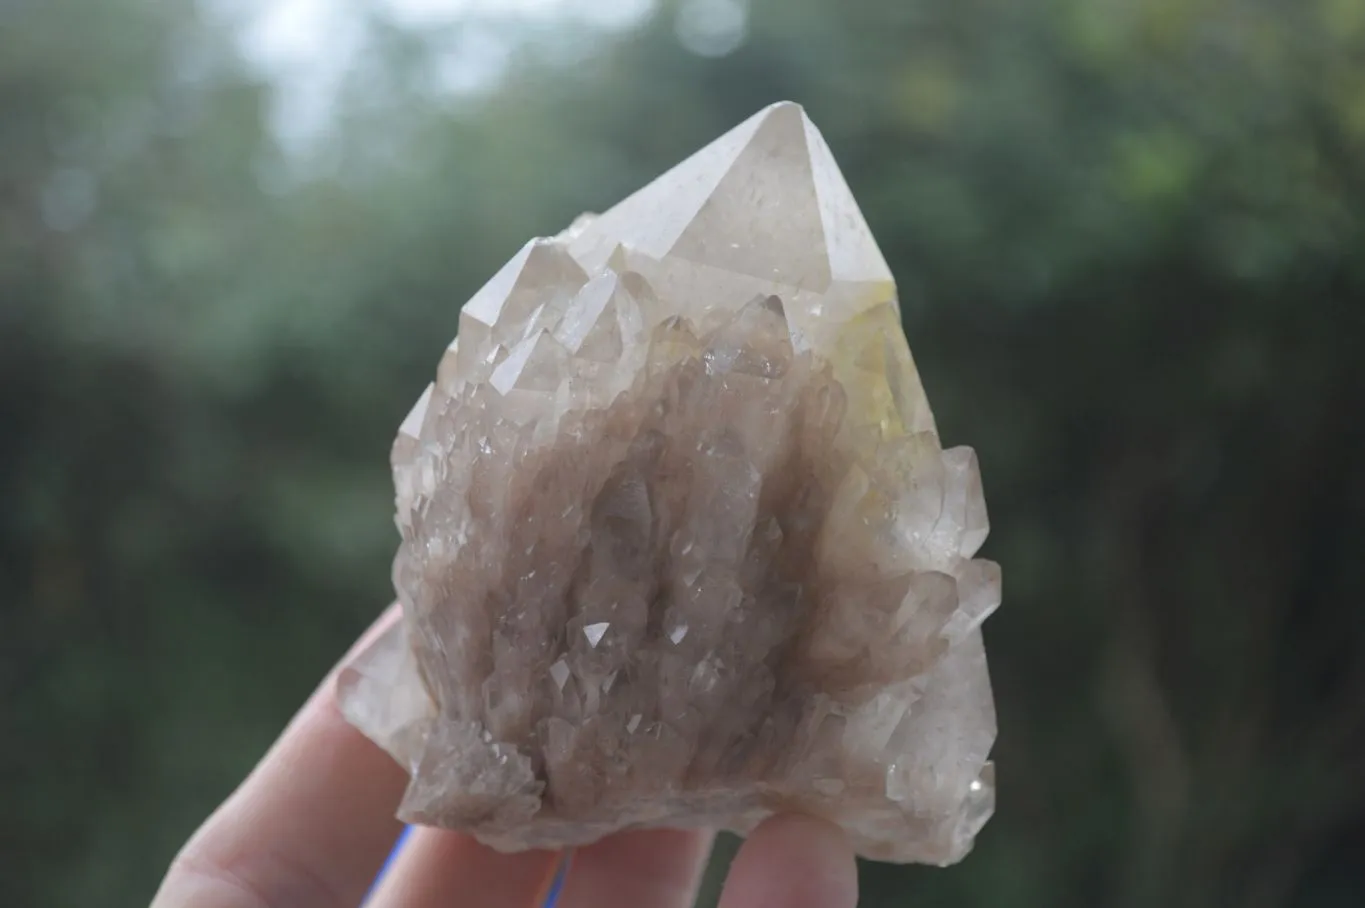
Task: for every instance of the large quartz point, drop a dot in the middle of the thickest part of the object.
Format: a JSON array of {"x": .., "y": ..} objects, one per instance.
[{"x": 680, "y": 544}]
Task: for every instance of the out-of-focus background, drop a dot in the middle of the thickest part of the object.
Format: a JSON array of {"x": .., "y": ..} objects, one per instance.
[{"x": 1130, "y": 238}]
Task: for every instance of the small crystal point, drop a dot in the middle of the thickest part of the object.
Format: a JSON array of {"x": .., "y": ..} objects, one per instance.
[
  {"x": 500, "y": 312},
  {"x": 591, "y": 328},
  {"x": 595, "y": 632},
  {"x": 757, "y": 342},
  {"x": 560, "y": 673},
  {"x": 410, "y": 432},
  {"x": 535, "y": 364},
  {"x": 680, "y": 543}
]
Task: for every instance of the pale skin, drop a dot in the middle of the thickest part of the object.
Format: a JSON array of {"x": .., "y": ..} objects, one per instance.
[{"x": 311, "y": 825}]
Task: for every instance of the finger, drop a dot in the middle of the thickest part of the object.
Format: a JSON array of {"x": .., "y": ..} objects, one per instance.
[
  {"x": 440, "y": 869},
  {"x": 793, "y": 862},
  {"x": 650, "y": 869},
  {"x": 309, "y": 828}
]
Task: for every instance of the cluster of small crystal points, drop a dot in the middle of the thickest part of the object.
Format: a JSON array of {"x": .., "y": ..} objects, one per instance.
[{"x": 680, "y": 545}]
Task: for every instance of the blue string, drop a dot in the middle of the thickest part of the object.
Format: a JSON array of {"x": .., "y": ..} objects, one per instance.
[
  {"x": 556, "y": 887},
  {"x": 388, "y": 862}
]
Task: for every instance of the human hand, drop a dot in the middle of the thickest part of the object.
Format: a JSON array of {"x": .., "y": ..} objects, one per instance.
[{"x": 312, "y": 824}]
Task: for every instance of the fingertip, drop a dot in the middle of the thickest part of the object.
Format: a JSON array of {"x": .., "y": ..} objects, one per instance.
[{"x": 793, "y": 861}]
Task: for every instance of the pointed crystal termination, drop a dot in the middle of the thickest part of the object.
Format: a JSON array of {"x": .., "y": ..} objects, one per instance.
[{"x": 680, "y": 544}]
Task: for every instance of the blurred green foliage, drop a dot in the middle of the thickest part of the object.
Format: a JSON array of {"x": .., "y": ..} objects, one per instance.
[{"x": 1129, "y": 238}]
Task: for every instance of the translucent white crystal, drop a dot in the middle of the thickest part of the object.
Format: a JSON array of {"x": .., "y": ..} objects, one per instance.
[{"x": 680, "y": 544}]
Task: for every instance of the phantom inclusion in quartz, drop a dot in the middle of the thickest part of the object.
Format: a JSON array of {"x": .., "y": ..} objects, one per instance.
[{"x": 680, "y": 544}]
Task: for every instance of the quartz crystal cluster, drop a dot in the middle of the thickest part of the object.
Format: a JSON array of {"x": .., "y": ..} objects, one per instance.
[{"x": 680, "y": 544}]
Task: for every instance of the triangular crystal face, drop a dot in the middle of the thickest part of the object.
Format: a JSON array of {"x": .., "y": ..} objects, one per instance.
[
  {"x": 763, "y": 207},
  {"x": 766, "y": 199}
]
